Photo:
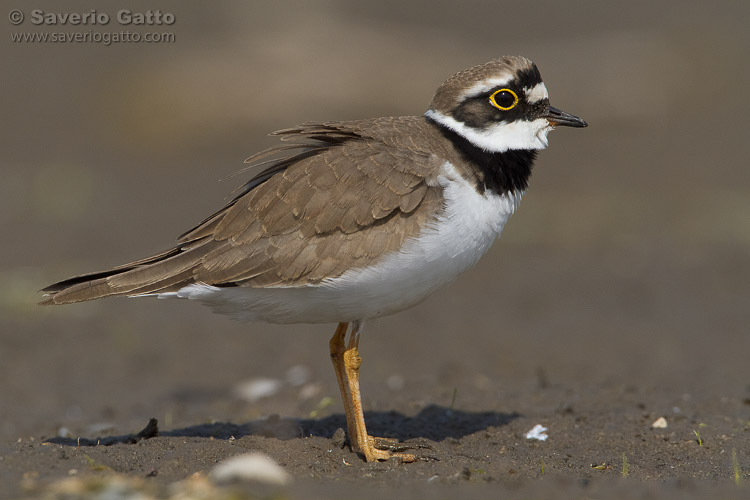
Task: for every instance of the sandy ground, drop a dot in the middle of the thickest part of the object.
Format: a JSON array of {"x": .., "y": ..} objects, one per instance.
[{"x": 618, "y": 294}]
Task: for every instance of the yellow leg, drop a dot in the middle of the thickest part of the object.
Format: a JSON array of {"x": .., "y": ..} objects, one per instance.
[
  {"x": 346, "y": 363},
  {"x": 337, "y": 346}
]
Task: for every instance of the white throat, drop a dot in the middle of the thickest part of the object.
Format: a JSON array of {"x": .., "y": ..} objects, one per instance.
[{"x": 500, "y": 137}]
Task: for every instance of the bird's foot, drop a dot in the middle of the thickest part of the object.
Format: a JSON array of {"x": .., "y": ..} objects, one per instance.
[
  {"x": 381, "y": 449},
  {"x": 391, "y": 444}
]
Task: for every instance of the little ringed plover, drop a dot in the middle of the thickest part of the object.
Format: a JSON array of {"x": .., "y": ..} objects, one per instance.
[{"x": 354, "y": 220}]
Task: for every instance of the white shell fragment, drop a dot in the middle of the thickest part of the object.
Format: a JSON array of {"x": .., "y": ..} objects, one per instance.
[
  {"x": 659, "y": 423},
  {"x": 258, "y": 388},
  {"x": 250, "y": 467},
  {"x": 538, "y": 432}
]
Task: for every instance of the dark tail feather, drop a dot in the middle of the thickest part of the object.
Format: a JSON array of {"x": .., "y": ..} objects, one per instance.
[
  {"x": 167, "y": 271},
  {"x": 174, "y": 268}
]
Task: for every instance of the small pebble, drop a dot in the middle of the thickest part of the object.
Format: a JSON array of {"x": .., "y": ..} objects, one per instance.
[
  {"x": 659, "y": 423},
  {"x": 258, "y": 388},
  {"x": 339, "y": 438},
  {"x": 250, "y": 467}
]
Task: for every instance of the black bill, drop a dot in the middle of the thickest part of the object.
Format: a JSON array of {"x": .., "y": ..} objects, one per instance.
[{"x": 558, "y": 117}]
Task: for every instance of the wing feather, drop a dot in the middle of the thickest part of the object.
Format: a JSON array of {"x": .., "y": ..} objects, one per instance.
[{"x": 333, "y": 197}]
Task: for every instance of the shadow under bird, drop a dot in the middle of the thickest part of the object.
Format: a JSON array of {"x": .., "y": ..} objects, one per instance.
[{"x": 354, "y": 220}]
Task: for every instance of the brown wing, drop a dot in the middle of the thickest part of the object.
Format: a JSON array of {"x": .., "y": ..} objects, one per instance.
[{"x": 342, "y": 196}]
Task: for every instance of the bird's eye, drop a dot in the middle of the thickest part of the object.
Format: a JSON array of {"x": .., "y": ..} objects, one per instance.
[{"x": 504, "y": 99}]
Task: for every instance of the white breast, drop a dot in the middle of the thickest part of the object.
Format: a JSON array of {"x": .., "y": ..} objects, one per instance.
[{"x": 465, "y": 229}]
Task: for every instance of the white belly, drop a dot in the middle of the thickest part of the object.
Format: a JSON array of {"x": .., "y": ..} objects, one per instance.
[{"x": 462, "y": 233}]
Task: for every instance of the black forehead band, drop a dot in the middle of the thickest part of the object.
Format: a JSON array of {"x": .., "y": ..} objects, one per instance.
[{"x": 528, "y": 77}]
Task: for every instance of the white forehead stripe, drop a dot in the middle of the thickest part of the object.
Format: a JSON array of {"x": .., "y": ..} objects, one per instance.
[
  {"x": 488, "y": 84},
  {"x": 500, "y": 137},
  {"x": 536, "y": 93}
]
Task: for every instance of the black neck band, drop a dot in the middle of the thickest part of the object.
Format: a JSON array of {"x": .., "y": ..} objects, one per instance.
[{"x": 500, "y": 172}]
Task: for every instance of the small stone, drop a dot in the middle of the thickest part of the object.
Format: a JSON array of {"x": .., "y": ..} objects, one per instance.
[
  {"x": 339, "y": 438},
  {"x": 258, "y": 388},
  {"x": 659, "y": 423},
  {"x": 251, "y": 467}
]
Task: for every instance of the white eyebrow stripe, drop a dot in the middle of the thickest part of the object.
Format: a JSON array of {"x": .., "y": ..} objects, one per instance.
[
  {"x": 488, "y": 84},
  {"x": 536, "y": 93}
]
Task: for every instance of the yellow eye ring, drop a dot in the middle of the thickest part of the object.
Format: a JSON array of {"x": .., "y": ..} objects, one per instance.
[{"x": 503, "y": 95}]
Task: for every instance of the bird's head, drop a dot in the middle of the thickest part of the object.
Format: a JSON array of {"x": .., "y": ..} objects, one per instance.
[{"x": 499, "y": 106}]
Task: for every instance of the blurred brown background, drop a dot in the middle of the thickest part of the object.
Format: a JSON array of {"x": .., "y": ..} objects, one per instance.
[{"x": 627, "y": 261}]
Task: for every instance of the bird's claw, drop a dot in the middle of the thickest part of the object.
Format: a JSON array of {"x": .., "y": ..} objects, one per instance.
[{"x": 396, "y": 446}]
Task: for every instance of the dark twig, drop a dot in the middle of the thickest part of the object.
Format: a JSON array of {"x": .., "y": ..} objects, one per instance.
[{"x": 151, "y": 430}]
